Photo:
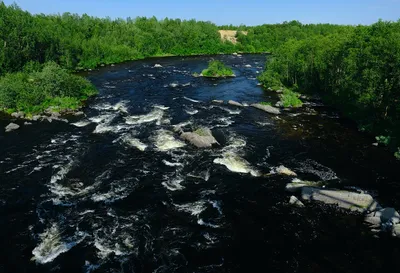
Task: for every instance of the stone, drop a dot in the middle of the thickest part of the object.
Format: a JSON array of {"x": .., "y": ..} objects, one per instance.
[
  {"x": 386, "y": 215},
  {"x": 27, "y": 123},
  {"x": 344, "y": 199},
  {"x": 19, "y": 114},
  {"x": 267, "y": 108},
  {"x": 218, "y": 101},
  {"x": 36, "y": 118},
  {"x": 11, "y": 127},
  {"x": 201, "y": 138},
  {"x": 157, "y": 66},
  {"x": 279, "y": 104},
  {"x": 396, "y": 230},
  {"x": 296, "y": 202},
  {"x": 247, "y": 65},
  {"x": 79, "y": 113},
  {"x": 235, "y": 103},
  {"x": 234, "y": 54}
]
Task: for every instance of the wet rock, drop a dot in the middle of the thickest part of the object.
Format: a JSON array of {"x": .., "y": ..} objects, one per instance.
[
  {"x": 201, "y": 138},
  {"x": 375, "y": 144},
  {"x": 235, "y": 103},
  {"x": 157, "y": 66},
  {"x": 48, "y": 119},
  {"x": 27, "y": 123},
  {"x": 11, "y": 127},
  {"x": 284, "y": 171},
  {"x": 396, "y": 230},
  {"x": 296, "y": 202},
  {"x": 279, "y": 104},
  {"x": 248, "y": 66},
  {"x": 267, "y": 108},
  {"x": 234, "y": 54},
  {"x": 36, "y": 117},
  {"x": 383, "y": 216},
  {"x": 79, "y": 113},
  {"x": 218, "y": 101},
  {"x": 19, "y": 114},
  {"x": 236, "y": 164},
  {"x": 344, "y": 199},
  {"x": 297, "y": 185}
]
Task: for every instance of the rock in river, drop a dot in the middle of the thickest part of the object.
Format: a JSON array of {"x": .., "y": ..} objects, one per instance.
[
  {"x": 18, "y": 114},
  {"x": 235, "y": 103},
  {"x": 344, "y": 199},
  {"x": 296, "y": 202},
  {"x": 201, "y": 138},
  {"x": 11, "y": 127},
  {"x": 267, "y": 108}
]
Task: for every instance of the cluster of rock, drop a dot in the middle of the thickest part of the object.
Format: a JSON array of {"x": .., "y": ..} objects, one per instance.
[
  {"x": 49, "y": 115},
  {"x": 378, "y": 218},
  {"x": 264, "y": 107}
]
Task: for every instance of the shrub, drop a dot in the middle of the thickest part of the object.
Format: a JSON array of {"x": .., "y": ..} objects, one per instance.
[
  {"x": 384, "y": 140},
  {"x": 290, "y": 98},
  {"x": 37, "y": 88},
  {"x": 217, "y": 69},
  {"x": 397, "y": 154},
  {"x": 270, "y": 79}
]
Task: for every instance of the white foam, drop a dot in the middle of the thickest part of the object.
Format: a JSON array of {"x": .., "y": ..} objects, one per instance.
[
  {"x": 174, "y": 84},
  {"x": 161, "y": 107},
  {"x": 191, "y": 112},
  {"x": 203, "y": 223},
  {"x": 171, "y": 164},
  {"x": 192, "y": 100},
  {"x": 165, "y": 141},
  {"x": 134, "y": 142},
  {"x": 81, "y": 123},
  {"x": 173, "y": 184},
  {"x": 62, "y": 172},
  {"x": 193, "y": 208},
  {"x": 155, "y": 115},
  {"x": 232, "y": 112},
  {"x": 52, "y": 246}
]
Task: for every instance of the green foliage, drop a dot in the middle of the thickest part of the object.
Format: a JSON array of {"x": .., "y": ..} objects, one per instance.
[
  {"x": 290, "y": 98},
  {"x": 270, "y": 79},
  {"x": 35, "y": 91},
  {"x": 397, "y": 154},
  {"x": 265, "y": 103},
  {"x": 217, "y": 69},
  {"x": 384, "y": 140}
]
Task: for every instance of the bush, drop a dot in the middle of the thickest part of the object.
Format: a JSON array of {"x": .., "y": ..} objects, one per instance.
[
  {"x": 217, "y": 69},
  {"x": 270, "y": 79},
  {"x": 38, "y": 88},
  {"x": 384, "y": 140},
  {"x": 290, "y": 98},
  {"x": 397, "y": 154}
]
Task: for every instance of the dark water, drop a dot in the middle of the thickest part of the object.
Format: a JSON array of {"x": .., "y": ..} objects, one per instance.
[{"x": 117, "y": 191}]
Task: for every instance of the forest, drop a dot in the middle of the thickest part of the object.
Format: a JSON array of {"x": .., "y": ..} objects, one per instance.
[{"x": 354, "y": 68}]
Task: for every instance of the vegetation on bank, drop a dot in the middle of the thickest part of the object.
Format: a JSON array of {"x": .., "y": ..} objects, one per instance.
[
  {"x": 356, "y": 70},
  {"x": 217, "y": 69},
  {"x": 39, "y": 87}
]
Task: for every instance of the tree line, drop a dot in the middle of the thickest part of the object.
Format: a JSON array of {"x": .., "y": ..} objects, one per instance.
[{"x": 356, "y": 69}]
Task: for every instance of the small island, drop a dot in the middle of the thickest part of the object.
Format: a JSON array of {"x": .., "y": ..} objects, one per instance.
[{"x": 217, "y": 69}]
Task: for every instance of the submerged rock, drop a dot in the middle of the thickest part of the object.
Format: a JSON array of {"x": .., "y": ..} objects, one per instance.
[
  {"x": 236, "y": 164},
  {"x": 248, "y": 66},
  {"x": 235, "y": 103},
  {"x": 218, "y": 101},
  {"x": 157, "y": 66},
  {"x": 267, "y": 108},
  {"x": 383, "y": 216},
  {"x": 296, "y": 202},
  {"x": 11, "y": 127},
  {"x": 27, "y": 123},
  {"x": 201, "y": 138},
  {"x": 284, "y": 171},
  {"x": 344, "y": 199}
]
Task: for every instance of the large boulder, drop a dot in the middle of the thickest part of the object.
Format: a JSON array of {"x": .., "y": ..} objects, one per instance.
[
  {"x": 235, "y": 103},
  {"x": 267, "y": 108},
  {"x": 11, "y": 127},
  {"x": 283, "y": 170},
  {"x": 383, "y": 216},
  {"x": 201, "y": 138},
  {"x": 344, "y": 199}
]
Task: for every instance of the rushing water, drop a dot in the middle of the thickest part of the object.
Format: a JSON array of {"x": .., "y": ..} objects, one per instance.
[{"x": 118, "y": 191}]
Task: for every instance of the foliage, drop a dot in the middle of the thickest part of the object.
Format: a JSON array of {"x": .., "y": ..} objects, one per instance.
[
  {"x": 384, "y": 140},
  {"x": 35, "y": 91},
  {"x": 290, "y": 98},
  {"x": 397, "y": 154},
  {"x": 217, "y": 69}
]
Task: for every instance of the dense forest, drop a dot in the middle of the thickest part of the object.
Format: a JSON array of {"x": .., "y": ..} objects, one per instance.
[
  {"x": 357, "y": 70},
  {"x": 354, "y": 68}
]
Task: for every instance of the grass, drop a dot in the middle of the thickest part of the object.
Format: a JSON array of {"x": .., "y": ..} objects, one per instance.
[
  {"x": 217, "y": 69},
  {"x": 201, "y": 132},
  {"x": 266, "y": 103}
]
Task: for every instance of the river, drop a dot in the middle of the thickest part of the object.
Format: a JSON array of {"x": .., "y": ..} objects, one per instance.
[{"x": 118, "y": 191}]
